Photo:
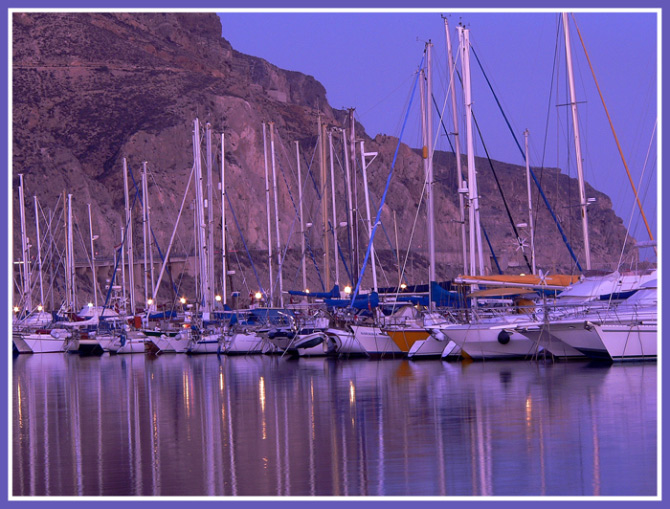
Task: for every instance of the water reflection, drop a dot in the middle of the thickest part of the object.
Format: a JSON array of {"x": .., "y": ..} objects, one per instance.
[{"x": 268, "y": 426}]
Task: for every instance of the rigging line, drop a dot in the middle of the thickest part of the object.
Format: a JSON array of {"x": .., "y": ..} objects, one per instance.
[
  {"x": 388, "y": 182},
  {"x": 297, "y": 212},
  {"x": 239, "y": 230},
  {"x": 151, "y": 230},
  {"x": 616, "y": 138},
  {"x": 502, "y": 195},
  {"x": 411, "y": 237},
  {"x": 546, "y": 126},
  {"x": 532, "y": 173},
  {"x": 444, "y": 127},
  {"x": 309, "y": 245},
  {"x": 495, "y": 259},
  {"x": 644, "y": 167}
]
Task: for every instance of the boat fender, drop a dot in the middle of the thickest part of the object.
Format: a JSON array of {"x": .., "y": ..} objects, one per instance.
[
  {"x": 503, "y": 337},
  {"x": 122, "y": 337}
]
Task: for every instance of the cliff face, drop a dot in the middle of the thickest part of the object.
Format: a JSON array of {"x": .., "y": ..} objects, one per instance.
[{"x": 90, "y": 89}]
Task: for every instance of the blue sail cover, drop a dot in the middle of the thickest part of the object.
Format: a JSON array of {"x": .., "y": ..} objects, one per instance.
[
  {"x": 368, "y": 301},
  {"x": 333, "y": 294},
  {"x": 163, "y": 315},
  {"x": 441, "y": 294}
]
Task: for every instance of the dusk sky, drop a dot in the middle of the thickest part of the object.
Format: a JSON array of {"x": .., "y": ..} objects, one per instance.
[{"x": 368, "y": 61}]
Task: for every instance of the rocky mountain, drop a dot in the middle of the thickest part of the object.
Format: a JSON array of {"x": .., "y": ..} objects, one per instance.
[{"x": 90, "y": 89}]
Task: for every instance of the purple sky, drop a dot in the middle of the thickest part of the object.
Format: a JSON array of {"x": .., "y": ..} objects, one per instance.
[{"x": 368, "y": 60}]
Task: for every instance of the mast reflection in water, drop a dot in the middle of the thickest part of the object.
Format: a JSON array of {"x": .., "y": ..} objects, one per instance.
[{"x": 261, "y": 426}]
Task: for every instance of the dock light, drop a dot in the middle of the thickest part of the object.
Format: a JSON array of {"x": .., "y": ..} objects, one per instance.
[
  {"x": 40, "y": 308},
  {"x": 16, "y": 309},
  {"x": 183, "y": 300},
  {"x": 217, "y": 298},
  {"x": 403, "y": 286},
  {"x": 90, "y": 304},
  {"x": 347, "y": 289},
  {"x": 306, "y": 290},
  {"x": 150, "y": 302},
  {"x": 258, "y": 295}
]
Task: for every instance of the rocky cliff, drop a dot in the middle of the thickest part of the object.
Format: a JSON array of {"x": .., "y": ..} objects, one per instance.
[{"x": 90, "y": 89}]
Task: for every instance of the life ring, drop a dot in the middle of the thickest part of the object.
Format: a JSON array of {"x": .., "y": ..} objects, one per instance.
[{"x": 503, "y": 337}]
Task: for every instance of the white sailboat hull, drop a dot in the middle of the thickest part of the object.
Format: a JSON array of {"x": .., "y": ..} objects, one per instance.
[
  {"x": 491, "y": 342},
  {"x": 374, "y": 341},
  {"x": 43, "y": 343}
]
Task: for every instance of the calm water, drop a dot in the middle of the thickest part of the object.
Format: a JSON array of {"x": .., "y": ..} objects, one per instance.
[{"x": 178, "y": 425}]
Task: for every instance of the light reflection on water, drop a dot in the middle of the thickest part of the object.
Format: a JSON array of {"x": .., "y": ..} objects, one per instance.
[{"x": 179, "y": 425}]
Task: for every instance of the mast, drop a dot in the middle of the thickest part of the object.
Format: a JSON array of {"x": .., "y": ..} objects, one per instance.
[
  {"x": 123, "y": 274},
  {"x": 201, "y": 227},
  {"x": 302, "y": 221},
  {"x": 276, "y": 201},
  {"x": 354, "y": 204},
  {"x": 151, "y": 239},
  {"x": 367, "y": 209},
  {"x": 28, "y": 304},
  {"x": 129, "y": 238},
  {"x": 460, "y": 182},
  {"x": 332, "y": 196},
  {"x": 39, "y": 251},
  {"x": 209, "y": 205},
  {"x": 145, "y": 233},
  {"x": 430, "y": 178},
  {"x": 350, "y": 203},
  {"x": 70, "y": 285},
  {"x": 223, "y": 220},
  {"x": 324, "y": 199},
  {"x": 530, "y": 205},
  {"x": 475, "y": 228},
  {"x": 95, "y": 279},
  {"x": 268, "y": 213},
  {"x": 578, "y": 148}
]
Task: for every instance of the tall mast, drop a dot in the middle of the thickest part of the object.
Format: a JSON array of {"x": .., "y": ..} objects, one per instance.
[
  {"x": 578, "y": 148},
  {"x": 150, "y": 239},
  {"x": 123, "y": 274},
  {"x": 531, "y": 226},
  {"x": 209, "y": 205},
  {"x": 475, "y": 229},
  {"x": 269, "y": 215},
  {"x": 201, "y": 227},
  {"x": 354, "y": 204},
  {"x": 350, "y": 204},
  {"x": 367, "y": 209},
  {"x": 460, "y": 182},
  {"x": 145, "y": 234},
  {"x": 95, "y": 279},
  {"x": 25, "y": 258},
  {"x": 302, "y": 220},
  {"x": 129, "y": 238},
  {"x": 332, "y": 197},
  {"x": 39, "y": 251},
  {"x": 324, "y": 198},
  {"x": 70, "y": 285},
  {"x": 223, "y": 220},
  {"x": 429, "y": 173},
  {"x": 276, "y": 201}
]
